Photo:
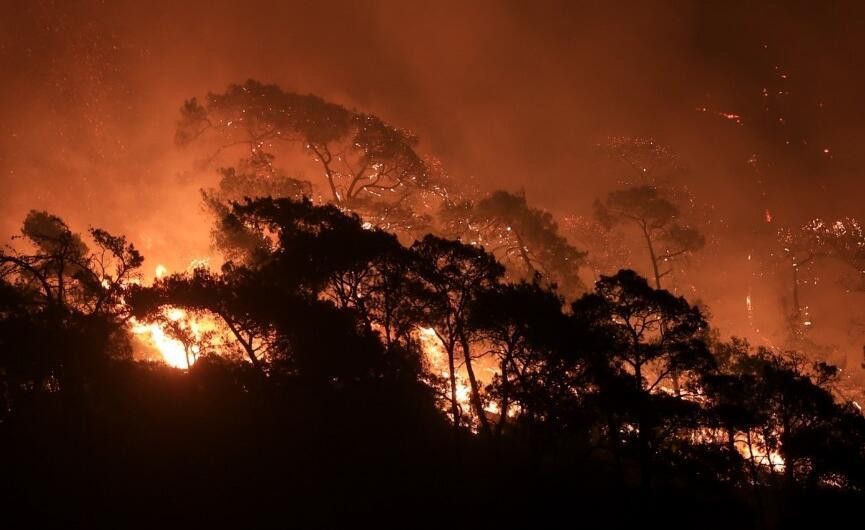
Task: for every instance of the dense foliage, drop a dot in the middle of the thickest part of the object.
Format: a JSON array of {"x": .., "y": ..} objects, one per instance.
[{"x": 617, "y": 407}]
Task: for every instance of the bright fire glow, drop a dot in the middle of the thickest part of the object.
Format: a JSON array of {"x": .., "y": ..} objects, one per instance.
[
  {"x": 437, "y": 358},
  {"x": 758, "y": 453},
  {"x": 197, "y": 330},
  {"x": 172, "y": 350},
  {"x": 200, "y": 331}
]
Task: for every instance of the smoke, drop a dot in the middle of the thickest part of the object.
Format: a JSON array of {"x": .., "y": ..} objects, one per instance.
[{"x": 514, "y": 94}]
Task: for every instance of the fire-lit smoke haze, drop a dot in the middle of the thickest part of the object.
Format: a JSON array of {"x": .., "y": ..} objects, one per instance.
[{"x": 762, "y": 105}]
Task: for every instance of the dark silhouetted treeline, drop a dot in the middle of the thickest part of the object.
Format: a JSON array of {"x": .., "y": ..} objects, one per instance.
[{"x": 618, "y": 408}]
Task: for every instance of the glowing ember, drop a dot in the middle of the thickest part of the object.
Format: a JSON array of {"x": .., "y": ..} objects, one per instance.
[{"x": 737, "y": 118}]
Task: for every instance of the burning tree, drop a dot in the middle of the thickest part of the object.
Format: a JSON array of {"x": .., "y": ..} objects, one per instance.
[
  {"x": 652, "y": 336},
  {"x": 648, "y": 159},
  {"x": 227, "y": 296},
  {"x": 524, "y": 325},
  {"x": 842, "y": 240},
  {"x": 454, "y": 274},
  {"x": 526, "y": 239},
  {"x": 658, "y": 221},
  {"x": 800, "y": 248},
  {"x": 779, "y": 412},
  {"x": 606, "y": 250},
  {"x": 368, "y": 165},
  {"x": 310, "y": 306}
]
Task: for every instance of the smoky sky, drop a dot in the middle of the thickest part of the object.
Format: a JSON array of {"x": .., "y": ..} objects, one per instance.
[{"x": 514, "y": 94}]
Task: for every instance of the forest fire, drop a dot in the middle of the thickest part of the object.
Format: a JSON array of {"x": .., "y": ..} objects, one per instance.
[
  {"x": 174, "y": 353},
  {"x": 314, "y": 264},
  {"x": 176, "y": 335}
]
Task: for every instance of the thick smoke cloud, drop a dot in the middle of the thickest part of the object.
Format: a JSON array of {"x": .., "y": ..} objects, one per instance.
[{"x": 514, "y": 94}]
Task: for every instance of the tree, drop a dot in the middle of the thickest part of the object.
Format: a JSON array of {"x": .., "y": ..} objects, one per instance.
[
  {"x": 801, "y": 248},
  {"x": 337, "y": 257},
  {"x": 454, "y": 274},
  {"x": 368, "y": 165},
  {"x": 230, "y": 296},
  {"x": 62, "y": 311},
  {"x": 524, "y": 325},
  {"x": 657, "y": 220},
  {"x": 652, "y": 335},
  {"x": 525, "y": 237},
  {"x": 654, "y": 194},
  {"x": 254, "y": 177},
  {"x": 606, "y": 250},
  {"x": 317, "y": 265},
  {"x": 63, "y": 273},
  {"x": 650, "y": 161},
  {"x": 783, "y": 406}
]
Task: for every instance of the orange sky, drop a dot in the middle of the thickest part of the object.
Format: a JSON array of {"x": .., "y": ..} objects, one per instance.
[{"x": 514, "y": 94}]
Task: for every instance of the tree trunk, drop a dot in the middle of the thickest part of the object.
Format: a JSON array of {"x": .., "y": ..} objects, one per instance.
[
  {"x": 475, "y": 397},
  {"x": 505, "y": 403},
  {"x": 797, "y": 307},
  {"x": 247, "y": 345},
  {"x": 755, "y": 480},
  {"x": 524, "y": 255},
  {"x": 674, "y": 374},
  {"x": 644, "y": 438},
  {"x": 652, "y": 255},
  {"x": 455, "y": 408}
]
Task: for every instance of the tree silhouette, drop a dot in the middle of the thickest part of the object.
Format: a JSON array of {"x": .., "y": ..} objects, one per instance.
[
  {"x": 232, "y": 296},
  {"x": 800, "y": 248},
  {"x": 523, "y": 323},
  {"x": 62, "y": 272},
  {"x": 525, "y": 237},
  {"x": 653, "y": 335},
  {"x": 62, "y": 310},
  {"x": 657, "y": 220},
  {"x": 369, "y": 166},
  {"x": 606, "y": 250},
  {"x": 315, "y": 372},
  {"x": 455, "y": 273},
  {"x": 650, "y": 161}
]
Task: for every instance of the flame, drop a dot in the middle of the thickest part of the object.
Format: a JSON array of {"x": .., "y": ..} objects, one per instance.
[
  {"x": 758, "y": 453},
  {"x": 437, "y": 358},
  {"x": 201, "y": 329},
  {"x": 172, "y": 350}
]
